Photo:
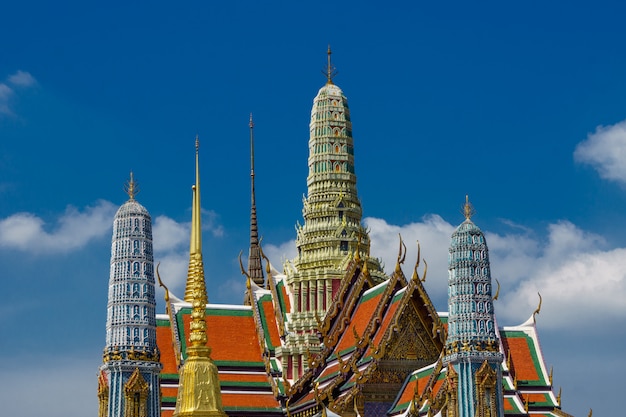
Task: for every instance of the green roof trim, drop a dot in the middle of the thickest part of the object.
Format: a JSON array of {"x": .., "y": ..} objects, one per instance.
[
  {"x": 163, "y": 323},
  {"x": 375, "y": 292},
  {"x": 268, "y": 340},
  {"x": 347, "y": 350},
  {"x": 281, "y": 300},
  {"x": 329, "y": 376},
  {"x": 240, "y": 364},
  {"x": 398, "y": 296}
]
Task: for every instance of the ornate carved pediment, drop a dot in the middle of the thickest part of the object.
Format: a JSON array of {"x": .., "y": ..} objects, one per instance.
[{"x": 409, "y": 339}]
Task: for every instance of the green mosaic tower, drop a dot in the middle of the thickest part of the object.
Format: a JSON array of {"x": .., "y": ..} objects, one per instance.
[{"x": 332, "y": 232}]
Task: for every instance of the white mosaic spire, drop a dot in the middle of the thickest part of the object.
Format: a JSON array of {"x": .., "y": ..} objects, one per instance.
[{"x": 130, "y": 370}]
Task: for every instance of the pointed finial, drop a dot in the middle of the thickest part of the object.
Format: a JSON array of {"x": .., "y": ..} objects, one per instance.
[
  {"x": 331, "y": 72},
  {"x": 495, "y": 297},
  {"x": 468, "y": 209},
  {"x": 538, "y": 309},
  {"x": 131, "y": 187},
  {"x": 251, "y": 124}
]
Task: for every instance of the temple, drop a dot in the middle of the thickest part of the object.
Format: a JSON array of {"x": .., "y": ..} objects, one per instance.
[{"x": 328, "y": 334}]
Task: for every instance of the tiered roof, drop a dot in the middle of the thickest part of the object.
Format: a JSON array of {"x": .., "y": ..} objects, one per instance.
[
  {"x": 527, "y": 384},
  {"x": 233, "y": 337}
]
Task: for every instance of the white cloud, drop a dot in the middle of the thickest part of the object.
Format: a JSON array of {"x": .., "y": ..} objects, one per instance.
[
  {"x": 279, "y": 254},
  {"x": 605, "y": 150},
  {"x": 575, "y": 276},
  {"x": 7, "y": 93},
  {"x": 432, "y": 232},
  {"x": 570, "y": 267},
  {"x": 169, "y": 235},
  {"x": 171, "y": 246},
  {"x": 73, "y": 229}
]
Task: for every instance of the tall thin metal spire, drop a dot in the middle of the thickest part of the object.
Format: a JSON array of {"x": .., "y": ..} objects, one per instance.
[
  {"x": 255, "y": 269},
  {"x": 331, "y": 72},
  {"x": 199, "y": 388}
]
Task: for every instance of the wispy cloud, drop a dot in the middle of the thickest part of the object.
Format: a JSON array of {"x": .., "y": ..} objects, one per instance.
[
  {"x": 72, "y": 230},
  {"x": 20, "y": 79},
  {"x": 605, "y": 150}
]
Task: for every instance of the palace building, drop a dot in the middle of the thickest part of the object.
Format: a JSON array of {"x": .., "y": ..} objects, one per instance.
[{"x": 329, "y": 333}]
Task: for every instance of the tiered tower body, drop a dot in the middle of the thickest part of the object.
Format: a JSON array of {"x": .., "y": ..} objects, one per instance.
[
  {"x": 472, "y": 346},
  {"x": 129, "y": 377},
  {"x": 332, "y": 230}
]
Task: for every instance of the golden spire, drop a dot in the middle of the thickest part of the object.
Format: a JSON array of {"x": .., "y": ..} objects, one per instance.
[
  {"x": 331, "y": 72},
  {"x": 468, "y": 209},
  {"x": 131, "y": 187},
  {"x": 195, "y": 273},
  {"x": 199, "y": 388}
]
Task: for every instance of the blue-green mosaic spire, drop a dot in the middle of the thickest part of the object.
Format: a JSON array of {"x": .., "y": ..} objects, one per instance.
[{"x": 472, "y": 346}]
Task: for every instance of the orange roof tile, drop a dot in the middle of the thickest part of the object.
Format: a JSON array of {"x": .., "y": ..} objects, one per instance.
[
  {"x": 328, "y": 371},
  {"x": 231, "y": 335},
  {"x": 522, "y": 359},
  {"x": 169, "y": 391},
  {"x": 249, "y": 399},
  {"x": 359, "y": 321},
  {"x": 164, "y": 342},
  {"x": 247, "y": 377},
  {"x": 387, "y": 319},
  {"x": 508, "y": 405},
  {"x": 409, "y": 391}
]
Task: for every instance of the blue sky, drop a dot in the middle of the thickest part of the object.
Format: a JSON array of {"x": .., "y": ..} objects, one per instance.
[{"x": 522, "y": 106}]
